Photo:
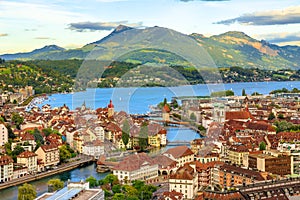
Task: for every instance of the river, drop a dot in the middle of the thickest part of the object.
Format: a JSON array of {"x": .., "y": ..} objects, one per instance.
[{"x": 41, "y": 185}]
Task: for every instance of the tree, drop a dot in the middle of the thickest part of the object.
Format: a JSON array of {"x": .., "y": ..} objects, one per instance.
[
  {"x": 92, "y": 180},
  {"x": 10, "y": 132},
  {"x": 110, "y": 179},
  {"x": 271, "y": 116},
  {"x": 174, "y": 103},
  {"x": 37, "y": 136},
  {"x": 125, "y": 132},
  {"x": 143, "y": 136},
  {"x": 262, "y": 146},
  {"x": 244, "y": 92},
  {"x": 193, "y": 117},
  {"x": 17, "y": 120},
  {"x": 116, "y": 189},
  {"x": 64, "y": 153},
  {"x": 26, "y": 192},
  {"x": 56, "y": 184},
  {"x": 118, "y": 196},
  {"x": 280, "y": 116},
  {"x": 165, "y": 101}
]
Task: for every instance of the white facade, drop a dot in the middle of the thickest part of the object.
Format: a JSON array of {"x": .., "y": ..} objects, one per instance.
[
  {"x": 145, "y": 172},
  {"x": 100, "y": 133},
  {"x": 6, "y": 169},
  {"x": 92, "y": 150},
  {"x": 3, "y": 135}
]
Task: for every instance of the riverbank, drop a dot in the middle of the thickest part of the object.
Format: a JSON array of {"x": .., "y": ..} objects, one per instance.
[{"x": 61, "y": 168}]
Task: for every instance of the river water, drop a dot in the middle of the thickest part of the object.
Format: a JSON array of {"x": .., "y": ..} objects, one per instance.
[
  {"x": 138, "y": 100},
  {"x": 74, "y": 175}
]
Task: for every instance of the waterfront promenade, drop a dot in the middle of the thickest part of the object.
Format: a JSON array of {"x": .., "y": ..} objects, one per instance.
[{"x": 76, "y": 162}]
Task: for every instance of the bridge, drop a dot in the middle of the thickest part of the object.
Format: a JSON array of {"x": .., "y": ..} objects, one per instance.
[
  {"x": 178, "y": 143},
  {"x": 170, "y": 122},
  {"x": 77, "y": 162}
]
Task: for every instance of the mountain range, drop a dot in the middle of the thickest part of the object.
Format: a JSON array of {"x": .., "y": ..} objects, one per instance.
[{"x": 144, "y": 46}]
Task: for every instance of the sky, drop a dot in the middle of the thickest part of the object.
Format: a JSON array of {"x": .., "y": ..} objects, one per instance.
[{"x": 26, "y": 25}]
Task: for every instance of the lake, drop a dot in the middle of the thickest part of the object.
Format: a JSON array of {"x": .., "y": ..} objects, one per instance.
[{"x": 138, "y": 100}]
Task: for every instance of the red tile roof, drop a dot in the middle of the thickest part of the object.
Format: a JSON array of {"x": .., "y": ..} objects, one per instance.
[
  {"x": 27, "y": 136},
  {"x": 26, "y": 154},
  {"x": 173, "y": 195},
  {"x": 5, "y": 160},
  {"x": 49, "y": 148},
  {"x": 180, "y": 151},
  {"x": 230, "y": 115},
  {"x": 164, "y": 161},
  {"x": 185, "y": 172},
  {"x": 134, "y": 162}
]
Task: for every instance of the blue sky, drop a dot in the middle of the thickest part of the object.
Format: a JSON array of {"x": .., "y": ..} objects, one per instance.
[{"x": 26, "y": 25}]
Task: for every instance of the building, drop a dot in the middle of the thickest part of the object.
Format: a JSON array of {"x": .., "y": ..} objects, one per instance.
[
  {"x": 206, "y": 158},
  {"x": 278, "y": 163},
  {"x": 180, "y": 154},
  {"x": 166, "y": 165},
  {"x": 236, "y": 154},
  {"x": 136, "y": 167},
  {"x": 110, "y": 109},
  {"x": 75, "y": 190},
  {"x": 3, "y": 135},
  {"x": 228, "y": 176},
  {"x": 185, "y": 181},
  {"x": 196, "y": 145},
  {"x": 29, "y": 159},
  {"x": 49, "y": 154},
  {"x": 6, "y": 168},
  {"x": 166, "y": 113},
  {"x": 94, "y": 148}
]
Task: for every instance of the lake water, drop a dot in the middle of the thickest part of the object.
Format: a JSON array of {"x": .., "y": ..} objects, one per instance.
[{"x": 138, "y": 100}]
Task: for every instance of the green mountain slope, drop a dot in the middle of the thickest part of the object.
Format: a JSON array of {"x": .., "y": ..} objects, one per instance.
[{"x": 143, "y": 46}]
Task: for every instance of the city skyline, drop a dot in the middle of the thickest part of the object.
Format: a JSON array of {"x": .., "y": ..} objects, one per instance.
[{"x": 27, "y": 25}]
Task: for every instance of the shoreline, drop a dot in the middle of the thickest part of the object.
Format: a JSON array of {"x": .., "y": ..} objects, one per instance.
[{"x": 60, "y": 169}]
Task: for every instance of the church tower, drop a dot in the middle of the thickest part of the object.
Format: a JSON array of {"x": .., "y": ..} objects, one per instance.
[{"x": 111, "y": 110}]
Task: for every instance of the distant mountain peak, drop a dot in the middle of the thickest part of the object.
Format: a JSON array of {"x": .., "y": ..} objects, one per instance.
[
  {"x": 52, "y": 47},
  {"x": 236, "y": 34},
  {"x": 121, "y": 28}
]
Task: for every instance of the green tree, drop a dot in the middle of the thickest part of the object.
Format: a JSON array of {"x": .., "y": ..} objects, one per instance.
[
  {"x": 10, "y": 132},
  {"x": 165, "y": 101},
  {"x": 56, "y": 184},
  {"x": 118, "y": 196},
  {"x": 174, "y": 103},
  {"x": 244, "y": 92},
  {"x": 37, "y": 136},
  {"x": 116, "y": 188},
  {"x": 129, "y": 190},
  {"x": 111, "y": 179},
  {"x": 92, "y": 180},
  {"x": 280, "y": 116},
  {"x": 193, "y": 117},
  {"x": 26, "y": 192},
  {"x": 64, "y": 153},
  {"x": 17, "y": 120},
  {"x": 262, "y": 146},
  {"x": 271, "y": 116},
  {"x": 143, "y": 136},
  {"x": 125, "y": 132}
]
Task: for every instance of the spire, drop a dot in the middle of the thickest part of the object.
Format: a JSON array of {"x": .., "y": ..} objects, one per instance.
[{"x": 110, "y": 105}]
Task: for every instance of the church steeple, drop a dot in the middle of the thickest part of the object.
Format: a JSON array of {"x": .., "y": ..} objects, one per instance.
[{"x": 110, "y": 107}]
